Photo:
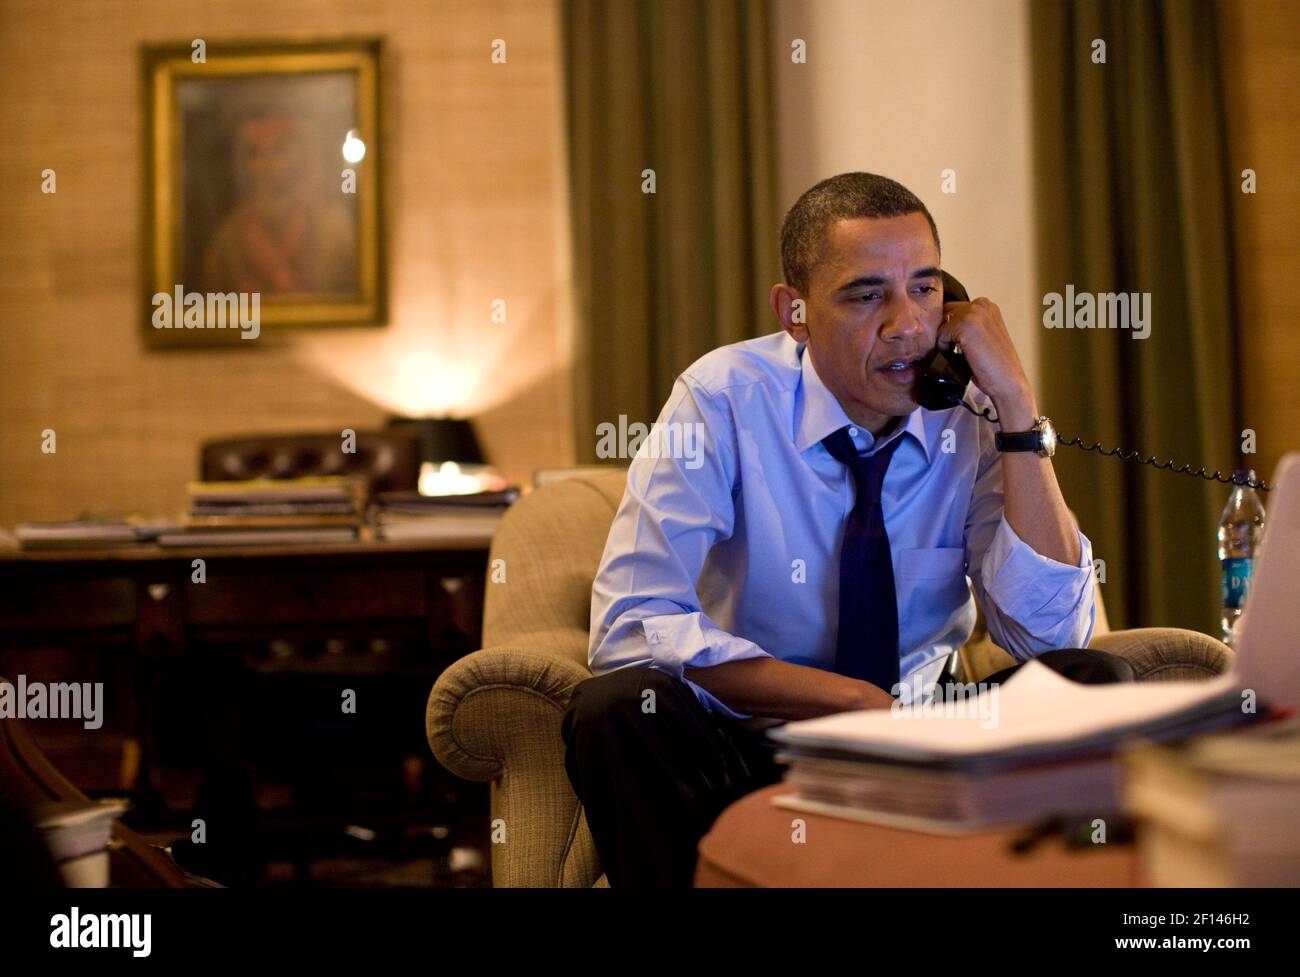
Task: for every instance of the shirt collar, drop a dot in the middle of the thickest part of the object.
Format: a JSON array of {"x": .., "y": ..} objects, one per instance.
[{"x": 817, "y": 413}]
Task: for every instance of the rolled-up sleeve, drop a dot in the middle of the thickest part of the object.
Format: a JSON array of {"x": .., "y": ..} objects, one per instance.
[
  {"x": 645, "y": 610},
  {"x": 1031, "y": 602}
]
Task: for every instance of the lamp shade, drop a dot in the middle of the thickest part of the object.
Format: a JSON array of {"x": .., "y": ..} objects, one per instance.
[{"x": 442, "y": 438}]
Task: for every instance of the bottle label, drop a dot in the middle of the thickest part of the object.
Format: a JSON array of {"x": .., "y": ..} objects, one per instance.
[{"x": 1236, "y": 581}]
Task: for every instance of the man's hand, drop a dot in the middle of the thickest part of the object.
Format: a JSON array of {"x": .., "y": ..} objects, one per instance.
[
  {"x": 782, "y": 690},
  {"x": 1032, "y": 500},
  {"x": 987, "y": 345}
]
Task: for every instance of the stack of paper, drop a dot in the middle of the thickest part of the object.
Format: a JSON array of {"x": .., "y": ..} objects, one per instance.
[
  {"x": 951, "y": 798},
  {"x": 1038, "y": 744},
  {"x": 411, "y": 516},
  {"x": 82, "y": 534}
]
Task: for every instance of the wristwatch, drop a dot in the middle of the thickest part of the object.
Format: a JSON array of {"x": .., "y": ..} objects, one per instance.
[{"x": 1040, "y": 438}]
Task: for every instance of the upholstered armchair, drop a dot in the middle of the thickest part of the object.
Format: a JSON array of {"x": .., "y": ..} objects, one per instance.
[{"x": 494, "y": 715}]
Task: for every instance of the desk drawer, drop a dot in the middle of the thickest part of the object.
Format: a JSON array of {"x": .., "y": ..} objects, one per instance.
[
  {"x": 306, "y": 597},
  {"x": 46, "y": 603}
]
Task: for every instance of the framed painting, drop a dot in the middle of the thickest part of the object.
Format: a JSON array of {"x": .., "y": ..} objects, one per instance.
[{"x": 263, "y": 197}]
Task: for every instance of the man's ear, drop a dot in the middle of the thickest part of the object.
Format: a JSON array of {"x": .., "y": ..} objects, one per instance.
[{"x": 791, "y": 309}]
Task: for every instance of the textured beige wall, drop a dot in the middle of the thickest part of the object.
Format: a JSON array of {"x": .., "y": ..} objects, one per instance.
[
  {"x": 476, "y": 212},
  {"x": 1261, "y": 41},
  {"x": 908, "y": 90}
]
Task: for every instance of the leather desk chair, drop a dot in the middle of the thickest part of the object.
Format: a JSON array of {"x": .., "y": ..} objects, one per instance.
[{"x": 390, "y": 461}]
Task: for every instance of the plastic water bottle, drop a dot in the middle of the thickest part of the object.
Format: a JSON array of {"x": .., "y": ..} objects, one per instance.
[{"x": 1240, "y": 530}]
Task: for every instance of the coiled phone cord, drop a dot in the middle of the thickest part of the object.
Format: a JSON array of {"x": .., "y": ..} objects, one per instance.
[{"x": 1217, "y": 476}]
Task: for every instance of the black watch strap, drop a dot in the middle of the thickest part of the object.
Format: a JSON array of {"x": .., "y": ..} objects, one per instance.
[{"x": 1018, "y": 440}]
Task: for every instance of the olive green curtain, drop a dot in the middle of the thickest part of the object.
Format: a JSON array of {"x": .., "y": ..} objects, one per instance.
[
  {"x": 682, "y": 88},
  {"x": 1133, "y": 185}
]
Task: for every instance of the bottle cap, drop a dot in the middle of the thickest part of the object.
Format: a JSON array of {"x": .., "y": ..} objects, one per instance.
[{"x": 1243, "y": 475}]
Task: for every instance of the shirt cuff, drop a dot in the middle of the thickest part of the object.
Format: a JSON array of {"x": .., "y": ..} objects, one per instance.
[
  {"x": 712, "y": 703},
  {"x": 679, "y": 641},
  {"x": 1029, "y": 587}
]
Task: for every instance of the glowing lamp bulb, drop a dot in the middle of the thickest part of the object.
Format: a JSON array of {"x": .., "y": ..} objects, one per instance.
[{"x": 447, "y": 479}]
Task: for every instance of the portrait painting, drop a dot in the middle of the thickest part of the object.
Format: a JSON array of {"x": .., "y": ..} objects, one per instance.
[{"x": 263, "y": 189}]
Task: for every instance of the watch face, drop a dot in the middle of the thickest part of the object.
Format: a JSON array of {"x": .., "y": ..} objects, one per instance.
[{"x": 1047, "y": 437}]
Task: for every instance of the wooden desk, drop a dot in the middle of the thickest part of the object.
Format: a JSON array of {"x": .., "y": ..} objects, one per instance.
[
  {"x": 142, "y": 601},
  {"x": 751, "y": 845}
]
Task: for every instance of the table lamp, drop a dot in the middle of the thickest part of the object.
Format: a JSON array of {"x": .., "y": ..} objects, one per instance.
[{"x": 451, "y": 460}]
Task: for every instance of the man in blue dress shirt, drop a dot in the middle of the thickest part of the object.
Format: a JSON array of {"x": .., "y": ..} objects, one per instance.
[{"x": 785, "y": 470}]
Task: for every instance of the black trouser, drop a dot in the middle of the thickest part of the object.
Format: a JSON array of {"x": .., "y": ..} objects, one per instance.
[{"x": 654, "y": 772}]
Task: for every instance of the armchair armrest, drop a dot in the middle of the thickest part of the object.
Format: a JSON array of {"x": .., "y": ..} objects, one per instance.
[
  {"x": 471, "y": 718},
  {"x": 1166, "y": 654},
  {"x": 495, "y": 715}
]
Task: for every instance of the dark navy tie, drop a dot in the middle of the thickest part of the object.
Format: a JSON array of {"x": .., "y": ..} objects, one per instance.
[{"x": 867, "y": 644}]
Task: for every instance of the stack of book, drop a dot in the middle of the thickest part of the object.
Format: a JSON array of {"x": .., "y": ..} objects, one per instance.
[
  {"x": 1222, "y": 810},
  {"x": 469, "y": 518},
  {"x": 1037, "y": 746},
  {"x": 271, "y": 511}
]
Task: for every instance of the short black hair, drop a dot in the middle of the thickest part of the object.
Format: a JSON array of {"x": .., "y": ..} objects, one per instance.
[{"x": 843, "y": 197}]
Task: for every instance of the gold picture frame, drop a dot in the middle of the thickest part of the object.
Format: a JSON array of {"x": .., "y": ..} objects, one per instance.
[{"x": 263, "y": 190}]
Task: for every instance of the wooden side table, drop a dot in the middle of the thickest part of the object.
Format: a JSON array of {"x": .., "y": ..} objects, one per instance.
[{"x": 751, "y": 845}]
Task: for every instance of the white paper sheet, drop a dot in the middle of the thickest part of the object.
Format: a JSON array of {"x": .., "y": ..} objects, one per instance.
[{"x": 1037, "y": 707}]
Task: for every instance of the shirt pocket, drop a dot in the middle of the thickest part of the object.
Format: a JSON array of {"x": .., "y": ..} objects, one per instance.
[
  {"x": 934, "y": 563},
  {"x": 931, "y": 586}
]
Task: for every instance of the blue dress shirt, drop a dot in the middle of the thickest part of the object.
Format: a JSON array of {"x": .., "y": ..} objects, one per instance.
[{"x": 726, "y": 544}]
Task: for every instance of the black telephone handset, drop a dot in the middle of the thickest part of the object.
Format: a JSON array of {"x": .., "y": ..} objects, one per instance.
[{"x": 943, "y": 386}]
